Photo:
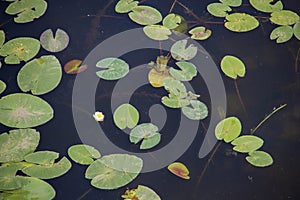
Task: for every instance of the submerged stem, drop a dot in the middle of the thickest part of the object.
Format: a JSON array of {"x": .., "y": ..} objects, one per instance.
[
  {"x": 84, "y": 194},
  {"x": 239, "y": 96},
  {"x": 172, "y": 7},
  {"x": 296, "y": 60}
]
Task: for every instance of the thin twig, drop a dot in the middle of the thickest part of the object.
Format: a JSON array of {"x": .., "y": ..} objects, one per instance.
[
  {"x": 189, "y": 11},
  {"x": 5, "y": 22},
  {"x": 84, "y": 194},
  {"x": 239, "y": 96},
  {"x": 172, "y": 7},
  {"x": 296, "y": 60}
]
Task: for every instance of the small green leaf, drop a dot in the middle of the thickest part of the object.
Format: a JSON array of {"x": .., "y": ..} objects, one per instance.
[
  {"x": 172, "y": 21},
  {"x": 198, "y": 111},
  {"x": 259, "y": 159},
  {"x": 282, "y": 34},
  {"x": 42, "y": 157},
  {"x": 2, "y": 86},
  {"x": 232, "y": 3},
  {"x": 157, "y": 32},
  {"x": 145, "y": 15},
  {"x": 218, "y": 9},
  {"x": 247, "y": 143},
  {"x": 115, "y": 68},
  {"x": 284, "y": 17},
  {"x": 233, "y": 67},
  {"x": 8, "y": 178},
  {"x": 200, "y": 33},
  {"x": 174, "y": 102},
  {"x": 126, "y": 115},
  {"x": 54, "y": 43},
  {"x": 83, "y": 154},
  {"x": 180, "y": 50},
  {"x": 2, "y": 38},
  {"x": 228, "y": 129},
  {"x": 125, "y": 6},
  {"x": 146, "y": 132},
  {"x": 266, "y": 6},
  {"x": 188, "y": 71},
  {"x": 241, "y": 22},
  {"x": 141, "y": 193},
  {"x": 296, "y": 30}
]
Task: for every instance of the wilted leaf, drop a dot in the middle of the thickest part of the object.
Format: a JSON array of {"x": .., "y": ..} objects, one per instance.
[
  {"x": 156, "y": 78},
  {"x": 74, "y": 67},
  {"x": 200, "y": 33},
  {"x": 179, "y": 170}
]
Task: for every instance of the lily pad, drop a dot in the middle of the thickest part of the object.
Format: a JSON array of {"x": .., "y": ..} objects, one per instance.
[
  {"x": 241, "y": 22},
  {"x": 74, "y": 67},
  {"x": 125, "y": 6},
  {"x": 2, "y": 38},
  {"x": 141, "y": 193},
  {"x": 146, "y": 132},
  {"x": 18, "y": 143},
  {"x": 19, "y": 49},
  {"x": 284, "y": 17},
  {"x": 266, "y": 6},
  {"x": 8, "y": 178},
  {"x": 115, "y": 68},
  {"x": 218, "y": 9},
  {"x": 126, "y": 115},
  {"x": 247, "y": 143},
  {"x": 188, "y": 71},
  {"x": 54, "y": 43},
  {"x": 48, "y": 171},
  {"x": 157, "y": 32},
  {"x": 83, "y": 154},
  {"x": 228, "y": 129},
  {"x": 24, "y": 110},
  {"x": 156, "y": 78},
  {"x": 233, "y": 67},
  {"x": 232, "y": 3},
  {"x": 145, "y": 15},
  {"x": 171, "y": 21},
  {"x": 179, "y": 169},
  {"x": 198, "y": 111},
  {"x": 40, "y": 75},
  {"x": 282, "y": 34},
  {"x": 259, "y": 159},
  {"x": 200, "y": 33},
  {"x": 42, "y": 157},
  {"x": 26, "y": 10},
  {"x": 2, "y": 86},
  {"x": 182, "y": 28},
  {"x": 180, "y": 50},
  {"x": 296, "y": 30},
  {"x": 114, "y": 171}
]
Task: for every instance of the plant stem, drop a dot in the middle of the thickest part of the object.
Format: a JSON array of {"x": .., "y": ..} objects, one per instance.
[
  {"x": 84, "y": 194},
  {"x": 5, "y": 22},
  {"x": 267, "y": 117},
  {"x": 296, "y": 60},
  {"x": 188, "y": 11},
  {"x": 239, "y": 96},
  {"x": 172, "y": 7}
]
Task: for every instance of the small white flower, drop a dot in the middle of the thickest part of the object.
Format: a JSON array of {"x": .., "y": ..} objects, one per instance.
[{"x": 98, "y": 116}]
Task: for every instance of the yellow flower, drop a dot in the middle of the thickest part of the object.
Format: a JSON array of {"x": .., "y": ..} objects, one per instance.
[{"x": 98, "y": 116}]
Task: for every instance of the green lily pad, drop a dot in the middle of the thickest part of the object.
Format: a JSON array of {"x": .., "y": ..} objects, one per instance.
[
  {"x": 200, "y": 33},
  {"x": 296, "y": 30},
  {"x": 171, "y": 21},
  {"x": 141, "y": 193},
  {"x": 145, "y": 15},
  {"x": 40, "y": 75},
  {"x": 180, "y": 50},
  {"x": 146, "y": 132},
  {"x": 18, "y": 143},
  {"x": 198, "y": 111},
  {"x": 157, "y": 32},
  {"x": 114, "y": 171},
  {"x": 8, "y": 178},
  {"x": 233, "y": 67},
  {"x": 126, "y": 115},
  {"x": 218, "y": 9},
  {"x": 32, "y": 188},
  {"x": 156, "y": 78},
  {"x": 232, "y": 3},
  {"x": 26, "y": 10},
  {"x": 282, "y": 34},
  {"x": 19, "y": 49},
  {"x": 266, "y": 6},
  {"x": 83, "y": 154},
  {"x": 115, "y": 68},
  {"x": 42, "y": 157},
  {"x": 247, "y": 143},
  {"x": 74, "y": 67},
  {"x": 2, "y": 86},
  {"x": 284, "y": 17},
  {"x": 21, "y": 110},
  {"x": 241, "y": 22},
  {"x": 228, "y": 129},
  {"x": 54, "y": 43},
  {"x": 125, "y": 6},
  {"x": 2, "y": 38},
  {"x": 188, "y": 71},
  {"x": 48, "y": 171},
  {"x": 259, "y": 159}
]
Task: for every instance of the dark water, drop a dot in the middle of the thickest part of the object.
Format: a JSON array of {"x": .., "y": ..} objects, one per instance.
[{"x": 270, "y": 81}]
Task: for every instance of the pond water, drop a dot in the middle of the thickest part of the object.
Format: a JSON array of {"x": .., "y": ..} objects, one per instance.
[{"x": 270, "y": 81}]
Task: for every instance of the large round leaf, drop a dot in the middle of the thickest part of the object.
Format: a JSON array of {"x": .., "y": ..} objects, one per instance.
[
  {"x": 124, "y": 6},
  {"x": 126, "y": 115},
  {"x": 200, "y": 33},
  {"x": 40, "y": 75},
  {"x": 54, "y": 43},
  {"x": 228, "y": 129},
  {"x": 145, "y": 15},
  {"x": 284, "y": 17},
  {"x": 26, "y": 10},
  {"x": 247, "y": 143},
  {"x": 115, "y": 68},
  {"x": 266, "y": 6},
  {"x": 114, "y": 171},
  {"x": 180, "y": 50},
  {"x": 233, "y": 67},
  {"x": 2, "y": 86},
  {"x": 233, "y": 3},
  {"x": 241, "y": 22},
  {"x": 296, "y": 30},
  {"x": 282, "y": 34},
  {"x": 218, "y": 9},
  {"x": 83, "y": 154},
  {"x": 172, "y": 21},
  {"x": 24, "y": 110},
  {"x": 186, "y": 73},
  {"x": 18, "y": 143},
  {"x": 146, "y": 132},
  {"x": 157, "y": 32},
  {"x": 19, "y": 49},
  {"x": 197, "y": 112},
  {"x": 259, "y": 159}
]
